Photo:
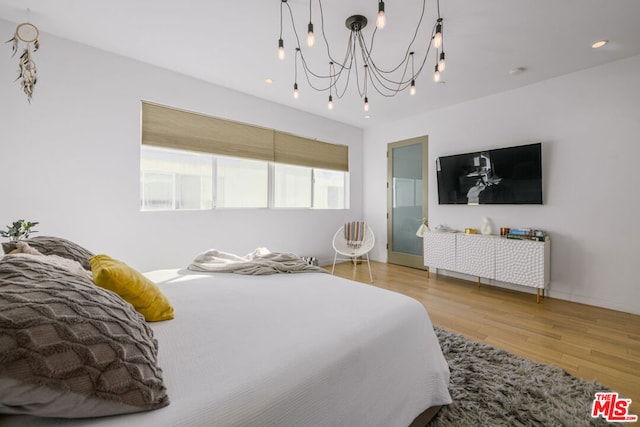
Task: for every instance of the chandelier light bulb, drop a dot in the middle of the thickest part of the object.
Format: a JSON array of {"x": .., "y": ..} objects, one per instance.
[
  {"x": 330, "y": 104},
  {"x": 366, "y": 104},
  {"x": 311, "y": 39},
  {"x": 295, "y": 91},
  {"x": 437, "y": 38},
  {"x": 281, "y": 49},
  {"x": 436, "y": 75},
  {"x": 441, "y": 63},
  {"x": 381, "y": 22},
  {"x": 412, "y": 91}
]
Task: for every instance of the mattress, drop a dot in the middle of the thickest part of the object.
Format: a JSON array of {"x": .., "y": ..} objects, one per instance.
[{"x": 287, "y": 350}]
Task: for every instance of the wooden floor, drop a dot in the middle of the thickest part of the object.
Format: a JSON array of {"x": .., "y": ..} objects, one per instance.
[{"x": 589, "y": 342}]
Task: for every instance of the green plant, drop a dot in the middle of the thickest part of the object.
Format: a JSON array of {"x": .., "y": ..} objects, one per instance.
[{"x": 19, "y": 230}]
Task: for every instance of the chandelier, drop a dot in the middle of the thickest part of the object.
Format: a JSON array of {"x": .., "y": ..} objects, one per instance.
[{"x": 359, "y": 57}]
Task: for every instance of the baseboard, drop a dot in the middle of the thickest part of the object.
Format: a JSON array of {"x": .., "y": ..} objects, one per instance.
[{"x": 549, "y": 292}]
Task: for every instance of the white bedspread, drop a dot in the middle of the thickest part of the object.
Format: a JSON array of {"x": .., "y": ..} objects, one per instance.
[{"x": 288, "y": 350}]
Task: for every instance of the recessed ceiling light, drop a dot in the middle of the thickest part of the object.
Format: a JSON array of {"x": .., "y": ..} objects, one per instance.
[
  {"x": 517, "y": 70},
  {"x": 599, "y": 44},
  {"x": 268, "y": 81},
  {"x": 367, "y": 116}
]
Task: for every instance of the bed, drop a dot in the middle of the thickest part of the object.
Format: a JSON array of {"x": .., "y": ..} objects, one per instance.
[{"x": 286, "y": 350}]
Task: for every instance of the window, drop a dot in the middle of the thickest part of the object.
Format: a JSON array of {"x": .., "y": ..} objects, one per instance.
[
  {"x": 292, "y": 186},
  {"x": 190, "y": 160},
  {"x": 241, "y": 183},
  {"x": 157, "y": 190},
  {"x": 172, "y": 179},
  {"x": 329, "y": 189}
]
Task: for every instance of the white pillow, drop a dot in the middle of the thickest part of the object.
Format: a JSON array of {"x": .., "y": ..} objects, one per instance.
[{"x": 74, "y": 267}]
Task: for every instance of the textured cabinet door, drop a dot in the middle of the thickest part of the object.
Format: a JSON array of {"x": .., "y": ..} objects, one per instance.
[
  {"x": 475, "y": 255},
  {"x": 440, "y": 250},
  {"x": 522, "y": 262}
]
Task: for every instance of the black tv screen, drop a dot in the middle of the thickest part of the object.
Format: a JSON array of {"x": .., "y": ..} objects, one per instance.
[{"x": 511, "y": 175}]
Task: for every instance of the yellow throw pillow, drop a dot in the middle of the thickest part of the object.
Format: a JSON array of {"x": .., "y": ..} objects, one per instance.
[{"x": 132, "y": 286}]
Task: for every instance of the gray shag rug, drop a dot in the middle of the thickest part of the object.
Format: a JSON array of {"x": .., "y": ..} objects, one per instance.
[{"x": 492, "y": 387}]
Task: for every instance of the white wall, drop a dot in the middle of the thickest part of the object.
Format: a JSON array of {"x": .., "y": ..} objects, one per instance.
[
  {"x": 71, "y": 160},
  {"x": 589, "y": 124}
]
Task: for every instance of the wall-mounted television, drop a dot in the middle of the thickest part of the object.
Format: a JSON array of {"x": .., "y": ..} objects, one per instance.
[{"x": 511, "y": 175}]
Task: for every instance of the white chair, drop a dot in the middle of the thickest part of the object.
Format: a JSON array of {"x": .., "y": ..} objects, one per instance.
[{"x": 342, "y": 248}]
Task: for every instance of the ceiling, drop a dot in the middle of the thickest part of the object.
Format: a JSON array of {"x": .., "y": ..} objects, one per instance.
[{"x": 234, "y": 43}]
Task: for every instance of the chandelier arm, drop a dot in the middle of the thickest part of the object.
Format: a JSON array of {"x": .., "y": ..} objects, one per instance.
[
  {"x": 380, "y": 73},
  {"x": 405, "y": 84},
  {"x": 424, "y": 60},
  {"x": 373, "y": 36},
  {"x": 344, "y": 90},
  {"x": 324, "y": 36},
  {"x": 404, "y": 73},
  {"x": 388, "y": 91},
  {"x": 316, "y": 75},
  {"x": 409, "y": 47},
  {"x": 321, "y": 76},
  {"x": 364, "y": 49},
  {"x": 391, "y": 92},
  {"x": 349, "y": 56},
  {"x": 293, "y": 25},
  {"x": 331, "y": 73},
  {"x": 281, "y": 19},
  {"x": 307, "y": 68},
  {"x": 308, "y": 73},
  {"x": 354, "y": 58}
]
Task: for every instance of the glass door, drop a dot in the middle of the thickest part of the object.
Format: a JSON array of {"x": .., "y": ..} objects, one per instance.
[{"x": 406, "y": 200}]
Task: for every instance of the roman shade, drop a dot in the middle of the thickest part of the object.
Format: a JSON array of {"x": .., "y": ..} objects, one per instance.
[
  {"x": 184, "y": 130},
  {"x": 296, "y": 150}
]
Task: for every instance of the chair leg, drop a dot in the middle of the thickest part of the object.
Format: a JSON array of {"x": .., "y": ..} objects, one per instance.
[
  {"x": 334, "y": 262},
  {"x": 369, "y": 264}
]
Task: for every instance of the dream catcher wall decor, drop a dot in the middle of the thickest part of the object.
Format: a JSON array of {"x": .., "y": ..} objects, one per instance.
[{"x": 28, "y": 34}]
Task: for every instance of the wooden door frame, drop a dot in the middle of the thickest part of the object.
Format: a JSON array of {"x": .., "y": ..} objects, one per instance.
[{"x": 408, "y": 260}]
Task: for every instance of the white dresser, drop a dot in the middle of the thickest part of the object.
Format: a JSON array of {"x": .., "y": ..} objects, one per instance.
[{"x": 521, "y": 262}]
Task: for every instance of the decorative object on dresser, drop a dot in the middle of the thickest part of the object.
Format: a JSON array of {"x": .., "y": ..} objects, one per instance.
[
  {"x": 424, "y": 227},
  {"x": 486, "y": 228},
  {"x": 521, "y": 262},
  {"x": 526, "y": 234}
]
